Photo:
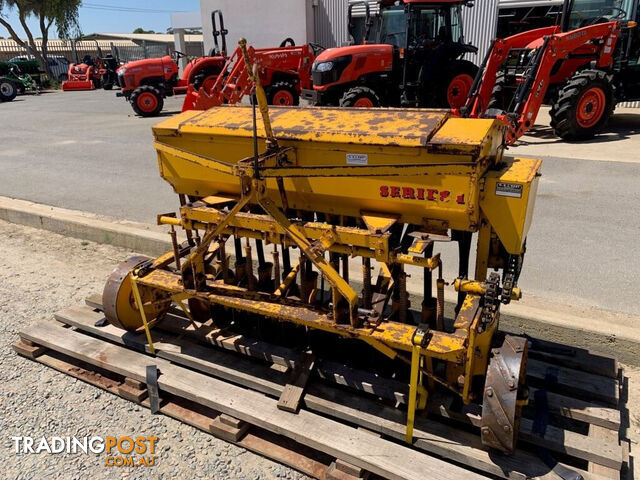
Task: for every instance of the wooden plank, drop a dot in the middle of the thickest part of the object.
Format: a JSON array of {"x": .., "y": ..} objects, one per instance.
[
  {"x": 574, "y": 382},
  {"x": 291, "y": 395},
  {"x": 335, "y": 472},
  {"x": 94, "y": 301},
  {"x": 84, "y": 317},
  {"x": 202, "y": 358},
  {"x": 238, "y": 370},
  {"x": 263, "y": 442},
  {"x": 245, "y": 372},
  {"x": 379, "y": 456},
  {"x": 580, "y": 410},
  {"x": 600, "y": 433},
  {"x": 574, "y": 357},
  {"x": 26, "y": 350},
  {"x": 455, "y": 444},
  {"x": 573, "y": 443}
]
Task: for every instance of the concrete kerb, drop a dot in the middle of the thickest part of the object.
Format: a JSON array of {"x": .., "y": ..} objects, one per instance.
[{"x": 594, "y": 332}]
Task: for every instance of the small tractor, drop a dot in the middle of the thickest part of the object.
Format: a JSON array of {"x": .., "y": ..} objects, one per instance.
[
  {"x": 146, "y": 83},
  {"x": 332, "y": 187},
  {"x": 284, "y": 71},
  {"x": 33, "y": 77},
  {"x": 415, "y": 61},
  {"x": 22, "y": 81},
  {"x": 92, "y": 72},
  {"x": 582, "y": 68}
]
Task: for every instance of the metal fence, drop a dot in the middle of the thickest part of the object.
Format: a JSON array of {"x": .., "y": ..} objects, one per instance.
[{"x": 72, "y": 50}]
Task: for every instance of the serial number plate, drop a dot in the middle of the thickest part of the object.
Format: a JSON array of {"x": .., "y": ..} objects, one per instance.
[
  {"x": 509, "y": 189},
  {"x": 357, "y": 159}
]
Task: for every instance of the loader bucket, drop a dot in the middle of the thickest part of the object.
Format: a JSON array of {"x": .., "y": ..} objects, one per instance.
[{"x": 71, "y": 85}]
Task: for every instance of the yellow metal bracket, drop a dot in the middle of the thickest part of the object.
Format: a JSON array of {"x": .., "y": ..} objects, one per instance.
[
  {"x": 138, "y": 299},
  {"x": 417, "y": 393}
]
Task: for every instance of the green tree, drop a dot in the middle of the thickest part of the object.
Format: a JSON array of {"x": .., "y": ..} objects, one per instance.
[
  {"x": 142, "y": 30},
  {"x": 62, "y": 14}
]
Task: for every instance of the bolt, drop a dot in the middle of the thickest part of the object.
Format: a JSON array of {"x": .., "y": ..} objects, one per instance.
[
  {"x": 512, "y": 384},
  {"x": 507, "y": 428},
  {"x": 485, "y": 431},
  {"x": 489, "y": 392},
  {"x": 461, "y": 380}
]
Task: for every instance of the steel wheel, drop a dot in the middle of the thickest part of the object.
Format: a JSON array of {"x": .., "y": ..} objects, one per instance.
[
  {"x": 147, "y": 102},
  {"x": 118, "y": 302},
  {"x": 591, "y": 107},
  {"x": 283, "y": 97},
  {"x": 459, "y": 89},
  {"x": 504, "y": 394}
]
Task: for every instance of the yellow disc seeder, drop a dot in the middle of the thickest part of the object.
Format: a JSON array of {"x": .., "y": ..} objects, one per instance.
[{"x": 334, "y": 185}]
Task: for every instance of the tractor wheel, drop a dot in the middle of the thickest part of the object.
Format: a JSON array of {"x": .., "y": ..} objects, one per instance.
[
  {"x": 583, "y": 105},
  {"x": 147, "y": 101},
  {"x": 282, "y": 93},
  {"x": 502, "y": 93},
  {"x": 360, "y": 97},
  {"x": 106, "y": 84},
  {"x": 8, "y": 90},
  {"x": 456, "y": 84},
  {"x": 206, "y": 78}
]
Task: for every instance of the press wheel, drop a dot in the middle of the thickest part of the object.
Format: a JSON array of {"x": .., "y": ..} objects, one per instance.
[
  {"x": 118, "y": 301},
  {"x": 505, "y": 393}
]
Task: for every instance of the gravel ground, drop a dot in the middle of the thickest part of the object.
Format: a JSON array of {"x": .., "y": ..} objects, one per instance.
[{"x": 43, "y": 272}]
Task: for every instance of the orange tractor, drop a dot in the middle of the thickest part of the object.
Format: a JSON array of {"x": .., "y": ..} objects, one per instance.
[
  {"x": 582, "y": 68},
  {"x": 414, "y": 61},
  {"x": 92, "y": 72},
  {"x": 283, "y": 72},
  {"x": 146, "y": 83}
]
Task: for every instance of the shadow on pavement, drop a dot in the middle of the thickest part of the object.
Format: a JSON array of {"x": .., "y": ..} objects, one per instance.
[{"x": 619, "y": 127}]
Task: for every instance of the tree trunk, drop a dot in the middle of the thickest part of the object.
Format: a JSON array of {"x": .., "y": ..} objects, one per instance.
[
  {"x": 32, "y": 43},
  {"x": 44, "y": 29}
]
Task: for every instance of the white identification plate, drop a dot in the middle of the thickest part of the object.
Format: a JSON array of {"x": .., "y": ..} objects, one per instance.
[
  {"x": 509, "y": 189},
  {"x": 357, "y": 159}
]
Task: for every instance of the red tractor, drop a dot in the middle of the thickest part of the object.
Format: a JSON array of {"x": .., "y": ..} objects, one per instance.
[
  {"x": 146, "y": 83},
  {"x": 92, "y": 72},
  {"x": 415, "y": 61},
  {"x": 581, "y": 68},
  {"x": 283, "y": 72}
]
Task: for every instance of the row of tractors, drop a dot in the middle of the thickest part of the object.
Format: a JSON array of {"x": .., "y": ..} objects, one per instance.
[{"x": 412, "y": 55}]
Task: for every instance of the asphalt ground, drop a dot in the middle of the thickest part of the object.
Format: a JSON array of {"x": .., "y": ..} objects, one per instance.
[{"x": 89, "y": 151}]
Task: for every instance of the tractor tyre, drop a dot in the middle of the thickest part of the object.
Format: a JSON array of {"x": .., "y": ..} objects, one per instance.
[
  {"x": 147, "y": 101},
  {"x": 455, "y": 84},
  {"x": 282, "y": 93},
  {"x": 583, "y": 105},
  {"x": 8, "y": 90},
  {"x": 360, "y": 97},
  {"x": 106, "y": 84},
  {"x": 502, "y": 93},
  {"x": 206, "y": 78}
]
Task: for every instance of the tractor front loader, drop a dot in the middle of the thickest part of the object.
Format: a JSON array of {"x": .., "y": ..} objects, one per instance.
[
  {"x": 284, "y": 71},
  {"x": 582, "y": 68},
  {"x": 336, "y": 184}
]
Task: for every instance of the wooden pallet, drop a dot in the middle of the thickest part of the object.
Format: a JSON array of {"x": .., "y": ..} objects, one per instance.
[{"x": 206, "y": 373}]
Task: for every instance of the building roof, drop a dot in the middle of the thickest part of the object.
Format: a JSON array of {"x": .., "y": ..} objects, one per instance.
[{"x": 139, "y": 37}]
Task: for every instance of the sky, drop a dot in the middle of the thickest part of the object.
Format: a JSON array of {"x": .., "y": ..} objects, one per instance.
[{"x": 116, "y": 16}]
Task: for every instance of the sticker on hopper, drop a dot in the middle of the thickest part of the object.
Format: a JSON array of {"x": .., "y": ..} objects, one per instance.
[
  {"x": 357, "y": 159},
  {"x": 509, "y": 189}
]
